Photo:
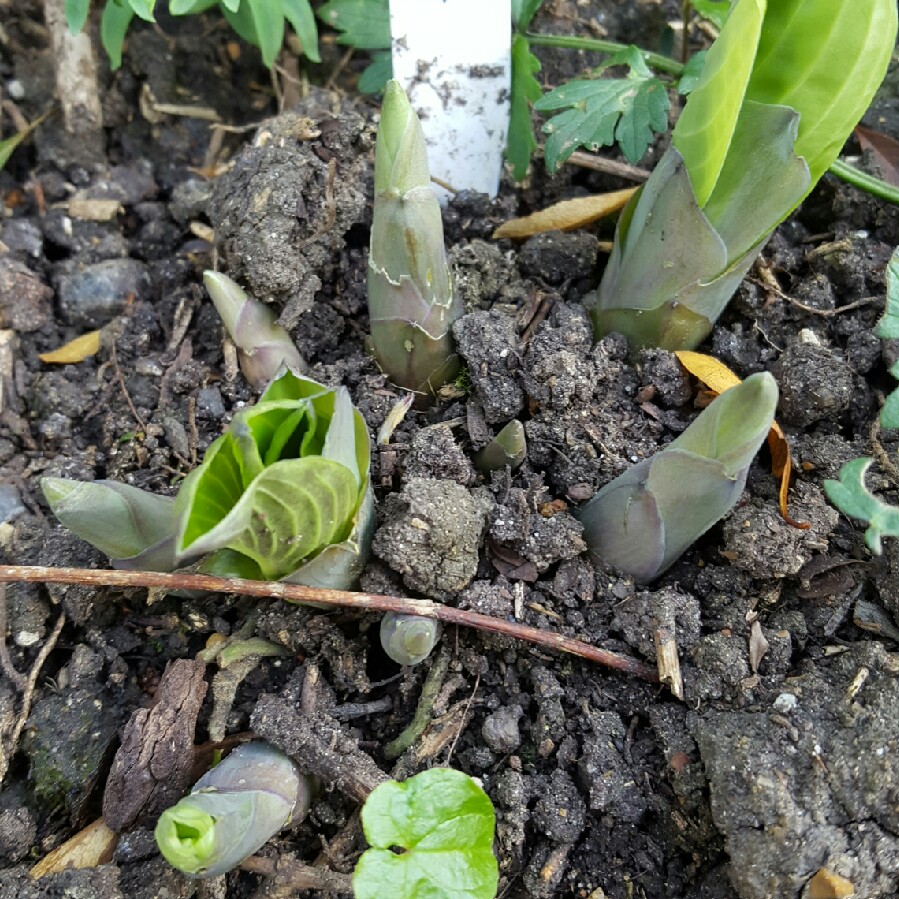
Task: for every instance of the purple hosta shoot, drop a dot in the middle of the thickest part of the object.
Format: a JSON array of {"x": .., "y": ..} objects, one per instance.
[
  {"x": 263, "y": 346},
  {"x": 131, "y": 526},
  {"x": 284, "y": 493},
  {"x": 411, "y": 301},
  {"x": 509, "y": 447},
  {"x": 408, "y": 639},
  {"x": 641, "y": 522},
  {"x": 233, "y": 810},
  {"x": 782, "y": 88}
]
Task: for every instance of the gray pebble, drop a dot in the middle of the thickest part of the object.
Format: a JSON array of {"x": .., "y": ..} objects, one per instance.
[{"x": 98, "y": 293}]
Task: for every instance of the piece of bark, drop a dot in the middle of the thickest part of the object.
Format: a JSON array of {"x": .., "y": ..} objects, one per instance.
[
  {"x": 317, "y": 743},
  {"x": 152, "y": 768}
]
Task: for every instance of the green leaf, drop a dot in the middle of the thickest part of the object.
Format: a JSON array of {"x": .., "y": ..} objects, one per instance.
[
  {"x": 523, "y": 11},
  {"x": 604, "y": 110},
  {"x": 889, "y": 414},
  {"x": 231, "y": 5},
  {"x": 113, "y": 27},
  {"x": 445, "y": 822},
  {"x": 302, "y": 20},
  {"x": 143, "y": 9},
  {"x": 520, "y": 143},
  {"x": 705, "y": 127},
  {"x": 186, "y": 7},
  {"x": 850, "y": 495},
  {"x": 888, "y": 329},
  {"x": 365, "y": 23},
  {"x": 8, "y": 146},
  {"x": 692, "y": 72},
  {"x": 76, "y": 14},
  {"x": 268, "y": 23},
  {"x": 377, "y": 73},
  {"x": 716, "y": 11}
]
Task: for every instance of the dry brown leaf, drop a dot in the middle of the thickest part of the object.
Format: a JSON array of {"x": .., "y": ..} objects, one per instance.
[
  {"x": 827, "y": 885},
  {"x": 885, "y": 150},
  {"x": 88, "y": 848},
  {"x": 718, "y": 377},
  {"x": 567, "y": 215},
  {"x": 76, "y": 350}
]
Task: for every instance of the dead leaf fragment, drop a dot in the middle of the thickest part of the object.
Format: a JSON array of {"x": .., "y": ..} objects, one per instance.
[
  {"x": 90, "y": 210},
  {"x": 76, "y": 350},
  {"x": 827, "y": 885},
  {"x": 885, "y": 150},
  {"x": 566, "y": 215},
  {"x": 718, "y": 378},
  {"x": 92, "y": 846}
]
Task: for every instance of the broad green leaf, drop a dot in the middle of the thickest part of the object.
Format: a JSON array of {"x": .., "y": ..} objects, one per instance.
[
  {"x": 143, "y": 9},
  {"x": 445, "y": 823},
  {"x": 242, "y": 22},
  {"x": 377, "y": 73},
  {"x": 850, "y": 495},
  {"x": 825, "y": 59},
  {"x": 365, "y": 24},
  {"x": 113, "y": 27},
  {"x": 889, "y": 414},
  {"x": 716, "y": 11},
  {"x": 268, "y": 23},
  {"x": 520, "y": 143},
  {"x": 231, "y": 5},
  {"x": 523, "y": 11},
  {"x": 705, "y": 127},
  {"x": 302, "y": 20},
  {"x": 76, "y": 14}
]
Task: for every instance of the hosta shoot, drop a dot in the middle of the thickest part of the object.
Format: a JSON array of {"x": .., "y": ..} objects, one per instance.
[
  {"x": 233, "y": 810},
  {"x": 408, "y": 639},
  {"x": 411, "y": 301},
  {"x": 283, "y": 494},
  {"x": 781, "y": 89},
  {"x": 263, "y": 346},
  {"x": 645, "y": 519}
]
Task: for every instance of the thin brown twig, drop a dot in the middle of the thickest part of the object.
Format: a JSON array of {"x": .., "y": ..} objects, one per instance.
[
  {"x": 463, "y": 725},
  {"x": 883, "y": 460},
  {"x": 607, "y": 166},
  {"x": 424, "y": 608},
  {"x": 768, "y": 283},
  {"x": 118, "y": 375}
]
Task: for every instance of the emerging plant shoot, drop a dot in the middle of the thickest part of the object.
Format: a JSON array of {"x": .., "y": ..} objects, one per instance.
[
  {"x": 263, "y": 346},
  {"x": 641, "y": 522},
  {"x": 233, "y": 810},
  {"x": 408, "y": 639},
  {"x": 782, "y": 88},
  {"x": 411, "y": 301}
]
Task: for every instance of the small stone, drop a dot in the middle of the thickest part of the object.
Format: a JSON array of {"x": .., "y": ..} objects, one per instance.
[
  {"x": 814, "y": 382},
  {"x": 500, "y": 730},
  {"x": 17, "y": 833},
  {"x": 560, "y": 812},
  {"x": 10, "y": 503},
  {"x": 210, "y": 404},
  {"x": 24, "y": 298},
  {"x": 98, "y": 293}
]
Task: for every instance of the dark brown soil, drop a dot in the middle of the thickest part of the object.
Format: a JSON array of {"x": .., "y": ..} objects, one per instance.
[{"x": 604, "y": 786}]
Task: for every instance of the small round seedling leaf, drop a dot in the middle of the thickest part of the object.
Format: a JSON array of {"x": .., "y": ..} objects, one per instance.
[{"x": 444, "y": 823}]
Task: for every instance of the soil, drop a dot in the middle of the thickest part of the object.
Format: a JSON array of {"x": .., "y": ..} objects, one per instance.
[{"x": 774, "y": 778}]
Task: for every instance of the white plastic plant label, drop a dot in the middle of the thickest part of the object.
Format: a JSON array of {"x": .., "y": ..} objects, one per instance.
[{"x": 453, "y": 57}]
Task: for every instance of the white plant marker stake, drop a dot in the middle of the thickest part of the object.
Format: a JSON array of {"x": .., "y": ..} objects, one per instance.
[{"x": 453, "y": 57}]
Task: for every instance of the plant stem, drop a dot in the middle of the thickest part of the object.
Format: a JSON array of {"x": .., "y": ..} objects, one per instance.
[
  {"x": 862, "y": 180},
  {"x": 340, "y": 598},
  {"x": 655, "y": 60}
]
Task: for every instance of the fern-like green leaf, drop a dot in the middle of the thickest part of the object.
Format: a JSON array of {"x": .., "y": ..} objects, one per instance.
[
  {"x": 520, "y": 143},
  {"x": 850, "y": 495}
]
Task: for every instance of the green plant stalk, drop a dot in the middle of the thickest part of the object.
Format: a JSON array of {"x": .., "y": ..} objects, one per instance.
[
  {"x": 596, "y": 45},
  {"x": 782, "y": 88},
  {"x": 411, "y": 300},
  {"x": 643, "y": 521},
  {"x": 877, "y": 187},
  {"x": 233, "y": 810}
]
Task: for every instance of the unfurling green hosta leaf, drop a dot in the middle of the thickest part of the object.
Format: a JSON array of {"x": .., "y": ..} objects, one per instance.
[
  {"x": 134, "y": 528},
  {"x": 888, "y": 329},
  {"x": 645, "y": 519},
  {"x": 601, "y": 111},
  {"x": 263, "y": 346},
  {"x": 284, "y": 493},
  {"x": 781, "y": 89},
  {"x": 233, "y": 810},
  {"x": 408, "y": 639},
  {"x": 520, "y": 143},
  {"x": 445, "y": 822},
  {"x": 509, "y": 447},
  {"x": 411, "y": 301},
  {"x": 850, "y": 495},
  {"x": 76, "y": 14}
]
